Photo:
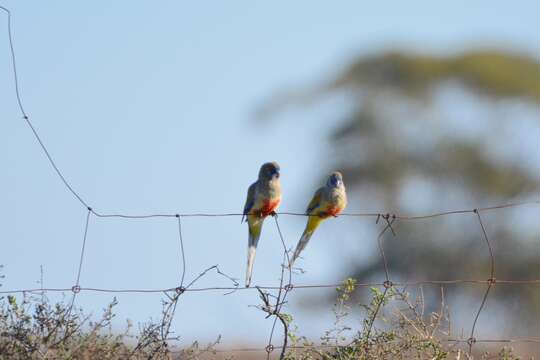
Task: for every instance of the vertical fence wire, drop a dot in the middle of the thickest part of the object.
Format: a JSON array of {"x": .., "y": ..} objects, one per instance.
[
  {"x": 387, "y": 283},
  {"x": 75, "y": 289},
  {"x": 491, "y": 281}
]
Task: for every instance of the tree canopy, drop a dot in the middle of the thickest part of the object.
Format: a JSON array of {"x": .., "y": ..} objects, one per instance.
[{"x": 405, "y": 145}]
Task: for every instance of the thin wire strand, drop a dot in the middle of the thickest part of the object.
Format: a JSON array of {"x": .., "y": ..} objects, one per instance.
[
  {"x": 53, "y": 164},
  {"x": 331, "y": 346},
  {"x": 76, "y": 288},
  {"x": 404, "y": 217},
  {"x": 387, "y": 283},
  {"x": 488, "y": 243},
  {"x": 491, "y": 280},
  {"x": 282, "y": 290},
  {"x": 288, "y": 287},
  {"x": 181, "y": 251},
  {"x": 381, "y": 249},
  {"x": 25, "y": 116},
  {"x": 77, "y": 281},
  {"x": 474, "y": 282},
  {"x": 14, "y": 62}
]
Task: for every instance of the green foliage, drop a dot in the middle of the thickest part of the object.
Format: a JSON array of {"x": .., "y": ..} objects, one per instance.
[
  {"x": 34, "y": 328},
  {"x": 495, "y": 73},
  {"x": 404, "y": 148},
  {"x": 392, "y": 327},
  {"x": 404, "y": 331}
]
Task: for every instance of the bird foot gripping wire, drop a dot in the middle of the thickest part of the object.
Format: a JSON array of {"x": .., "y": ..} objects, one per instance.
[{"x": 180, "y": 290}]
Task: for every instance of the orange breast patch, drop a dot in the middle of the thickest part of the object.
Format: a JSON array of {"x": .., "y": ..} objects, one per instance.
[
  {"x": 334, "y": 211},
  {"x": 269, "y": 206}
]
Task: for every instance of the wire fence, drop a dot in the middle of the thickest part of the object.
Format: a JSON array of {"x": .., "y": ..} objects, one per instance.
[{"x": 273, "y": 304}]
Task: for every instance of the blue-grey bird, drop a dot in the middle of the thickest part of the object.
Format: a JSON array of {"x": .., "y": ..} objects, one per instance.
[{"x": 263, "y": 198}]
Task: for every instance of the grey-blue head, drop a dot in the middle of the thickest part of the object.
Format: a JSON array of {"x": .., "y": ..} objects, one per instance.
[
  {"x": 269, "y": 171},
  {"x": 335, "y": 179}
]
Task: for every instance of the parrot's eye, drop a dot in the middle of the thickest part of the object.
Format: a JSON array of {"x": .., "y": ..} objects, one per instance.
[{"x": 335, "y": 181}]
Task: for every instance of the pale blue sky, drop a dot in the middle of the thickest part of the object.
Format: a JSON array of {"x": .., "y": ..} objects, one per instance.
[{"x": 150, "y": 109}]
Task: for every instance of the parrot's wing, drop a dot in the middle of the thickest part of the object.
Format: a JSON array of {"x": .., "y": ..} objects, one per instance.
[
  {"x": 250, "y": 200},
  {"x": 314, "y": 203}
]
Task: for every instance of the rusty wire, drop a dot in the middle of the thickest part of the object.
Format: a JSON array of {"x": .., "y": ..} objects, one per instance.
[
  {"x": 263, "y": 287},
  {"x": 283, "y": 289},
  {"x": 380, "y": 214}
]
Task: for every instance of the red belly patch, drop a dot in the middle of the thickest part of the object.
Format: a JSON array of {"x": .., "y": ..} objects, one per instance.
[
  {"x": 333, "y": 211},
  {"x": 269, "y": 206}
]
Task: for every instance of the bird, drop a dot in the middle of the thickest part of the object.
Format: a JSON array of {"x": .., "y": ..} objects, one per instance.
[
  {"x": 329, "y": 200},
  {"x": 263, "y": 199}
]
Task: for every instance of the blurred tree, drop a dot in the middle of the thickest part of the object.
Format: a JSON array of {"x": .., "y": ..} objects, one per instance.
[{"x": 428, "y": 133}]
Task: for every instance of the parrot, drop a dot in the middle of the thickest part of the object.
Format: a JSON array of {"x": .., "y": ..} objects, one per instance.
[
  {"x": 263, "y": 198},
  {"x": 329, "y": 200}
]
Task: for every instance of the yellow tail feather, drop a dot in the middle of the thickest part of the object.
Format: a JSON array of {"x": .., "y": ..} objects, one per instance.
[{"x": 312, "y": 225}]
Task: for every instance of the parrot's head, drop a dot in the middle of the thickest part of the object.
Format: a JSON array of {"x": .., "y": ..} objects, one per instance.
[
  {"x": 269, "y": 171},
  {"x": 335, "y": 179}
]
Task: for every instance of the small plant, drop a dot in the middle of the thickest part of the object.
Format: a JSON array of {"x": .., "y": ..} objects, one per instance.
[
  {"x": 393, "y": 327},
  {"x": 35, "y": 328}
]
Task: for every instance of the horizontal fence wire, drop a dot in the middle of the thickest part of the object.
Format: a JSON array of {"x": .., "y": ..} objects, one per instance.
[
  {"x": 273, "y": 309},
  {"x": 346, "y": 214},
  {"x": 322, "y": 346},
  {"x": 265, "y": 287}
]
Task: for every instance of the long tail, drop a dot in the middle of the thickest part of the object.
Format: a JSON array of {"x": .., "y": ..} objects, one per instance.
[
  {"x": 312, "y": 225},
  {"x": 253, "y": 240}
]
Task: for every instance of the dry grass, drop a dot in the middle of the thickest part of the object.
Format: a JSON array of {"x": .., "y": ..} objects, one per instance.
[{"x": 395, "y": 326}]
